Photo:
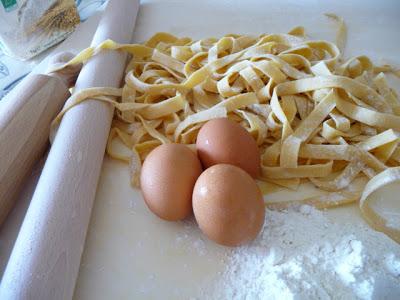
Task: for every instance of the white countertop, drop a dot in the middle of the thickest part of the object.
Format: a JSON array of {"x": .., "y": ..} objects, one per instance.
[{"x": 126, "y": 244}]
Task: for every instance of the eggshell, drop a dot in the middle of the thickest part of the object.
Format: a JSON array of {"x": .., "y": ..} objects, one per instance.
[
  {"x": 228, "y": 205},
  {"x": 167, "y": 179},
  {"x": 225, "y": 141}
]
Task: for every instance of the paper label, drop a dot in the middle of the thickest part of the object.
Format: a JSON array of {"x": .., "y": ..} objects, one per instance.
[{"x": 9, "y": 5}]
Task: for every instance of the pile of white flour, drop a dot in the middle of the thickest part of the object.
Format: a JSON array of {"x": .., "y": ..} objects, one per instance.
[{"x": 302, "y": 254}]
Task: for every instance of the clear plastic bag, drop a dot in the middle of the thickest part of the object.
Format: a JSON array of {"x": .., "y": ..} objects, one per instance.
[{"x": 28, "y": 27}]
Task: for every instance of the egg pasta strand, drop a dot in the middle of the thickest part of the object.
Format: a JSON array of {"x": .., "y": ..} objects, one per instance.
[{"x": 314, "y": 116}]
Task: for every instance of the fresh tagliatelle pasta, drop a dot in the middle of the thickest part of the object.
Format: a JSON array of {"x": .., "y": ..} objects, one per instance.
[{"x": 315, "y": 116}]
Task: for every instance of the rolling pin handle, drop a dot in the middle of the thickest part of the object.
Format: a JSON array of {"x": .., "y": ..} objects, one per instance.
[{"x": 69, "y": 74}]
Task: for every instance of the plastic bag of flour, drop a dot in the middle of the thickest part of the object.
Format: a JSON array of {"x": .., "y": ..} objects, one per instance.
[{"x": 28, "y": 27}]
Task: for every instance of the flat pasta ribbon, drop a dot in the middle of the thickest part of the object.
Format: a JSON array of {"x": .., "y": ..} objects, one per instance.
[{"x": 315, "y": 117}]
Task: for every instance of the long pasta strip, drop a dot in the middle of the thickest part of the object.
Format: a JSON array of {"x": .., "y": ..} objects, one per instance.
[{"x": 314, "y": 117}]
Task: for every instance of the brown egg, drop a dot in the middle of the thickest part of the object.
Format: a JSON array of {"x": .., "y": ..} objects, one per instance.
[
  {"x": 167, "y": 179},
  {"x": 225, "y": 141},
  {"x": 228, "y": 205}
]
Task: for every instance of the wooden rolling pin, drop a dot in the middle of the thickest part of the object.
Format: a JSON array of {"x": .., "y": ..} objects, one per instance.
[
  {"x": 25, "y": 117},
  {"x": 45, "y": 261}
]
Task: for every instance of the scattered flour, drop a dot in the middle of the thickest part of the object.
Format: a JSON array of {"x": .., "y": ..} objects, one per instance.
[
  {"x": 302, "y": 254},
  {"x": 191, "y": 237}
]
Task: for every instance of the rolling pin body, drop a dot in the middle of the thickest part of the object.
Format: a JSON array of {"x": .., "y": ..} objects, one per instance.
[
  {"x": 25, "y": 117},
  {"x": 46, "y": 257}
]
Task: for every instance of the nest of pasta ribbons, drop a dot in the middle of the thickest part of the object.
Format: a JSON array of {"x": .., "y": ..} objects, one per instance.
[{"x": 314, "y": 116}]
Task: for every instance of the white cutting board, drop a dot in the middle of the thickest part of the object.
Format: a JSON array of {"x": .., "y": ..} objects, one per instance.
[{"x": 131, "y": 254}]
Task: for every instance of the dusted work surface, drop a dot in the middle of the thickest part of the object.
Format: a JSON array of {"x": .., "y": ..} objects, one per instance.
[{"x": 130, "y": 253}]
